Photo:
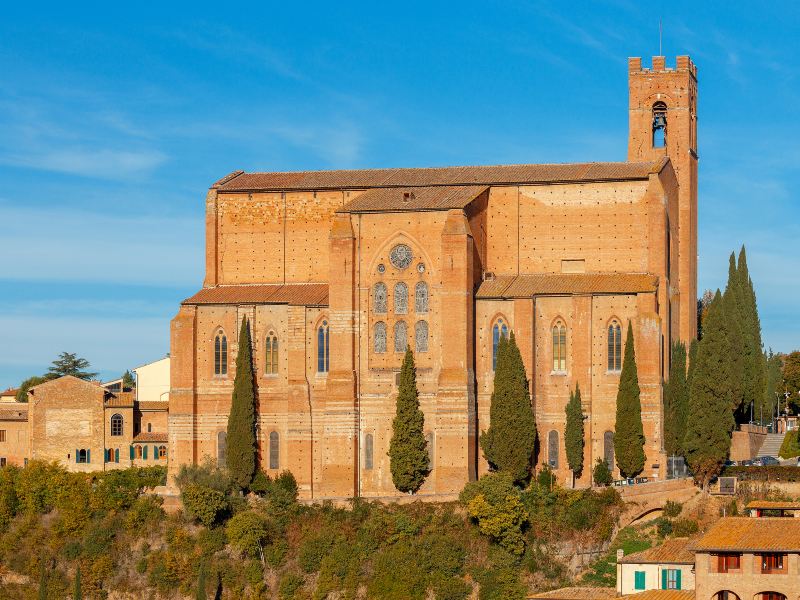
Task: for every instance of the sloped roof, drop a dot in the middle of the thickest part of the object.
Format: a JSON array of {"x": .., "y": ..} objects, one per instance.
[
  {"x": 17, "y": 413},
  {"x": 662, "y": 595},
  {"x": 120, "y": 400},
  {"x": 153, "y": 405},
  {"x": 240, "y": 181},
  {"x": 773, "y": 505},
  {"x": 576, "y": 593},
  {"x": 151, "y": 436},
  {"x": 443, "y": 197},
  {"x": 293, "y": 294},
  {"x": 745, "y": 534},
  {"x": 542, "y": 284},
  {"x": 672, "y": 551}
]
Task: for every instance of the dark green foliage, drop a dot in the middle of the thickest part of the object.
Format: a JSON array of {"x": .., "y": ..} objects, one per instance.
[
  {"x": 603, "y": 573},
  {"x": 765, "y": 412},
  {"x": 546, "y": 478},
  {"x": 68, "y": 363},
  {"x": 771, "y": 473},
  {"x": 602, "y": 473},
  {"x": 755, "y": 364},
  {"x": 261, "y": 483},
  {"x": 204, "y": 504},
  {"x": 43, "y": 581},
  {"x": 737, "y": 339},
  {"x": 201, "y": 584},
  {"x": 676, "y": 401},
  {"x": 22, "y": 391},
  {"x": 691, "y": 362},
  {"x": 685, "y": 527},
  {"x": 500, "y": 584},
  {"x": 496, "y": 506},
  {"x": 791, "y": 445},
  {"x": 573, "y": 433},
  {"x": 76, "y": 591},
  {"x": 205, "y": 475},
  {"x": 672, "y": 509},
  {"x": 664, "y": 527},
  {"x": 710, "y": 419},
  {"x": 408, "y": 452},
  {"x": 248, "y": 532},
  {"x": 241, "y": 451},
  {"x": 128, "y": 380},
  {"x": 628, "y": 430},
  {"x": 509, "y": 442},
  {"x": 289, "y": 585}
]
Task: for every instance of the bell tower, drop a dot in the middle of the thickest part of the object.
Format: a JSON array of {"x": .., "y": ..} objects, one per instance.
[{"x": 663, "y": 122}]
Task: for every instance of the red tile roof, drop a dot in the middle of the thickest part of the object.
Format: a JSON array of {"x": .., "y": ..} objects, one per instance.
[
  {"x": 150, "y": 437},
  {"x": 476, "y": 175},
  {"x": 442, "y": 197},
  {"x": 293, "y": 294},
  {"x": 773, "y": 505},
  {"x": 17, "y": 413},
  {"x": 746, "y": 534},
  {"x": 120, "y": 400},
  {"x": 153, "y": 405},
  {"x": 525, "y": 286},
  {"x": 662, "y": 595},
  {"x": 672, "y": 551},
  {"x": 576, "y": 593}
]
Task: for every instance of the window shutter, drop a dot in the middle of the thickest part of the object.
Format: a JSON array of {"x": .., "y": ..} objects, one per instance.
[
  {"x": 131, "y": 447},
  {"x": 88, "y": 456},
  {"x": 638, "y": 580},
  {"x": 76, "y": 455},
  {"x": 155, "y": 452},
  {"x": 144, "y": 452},
  {"x": 116, "y": 455},
  {"x": 678, "y": 579},
  {"x": 664, "y": 578}
]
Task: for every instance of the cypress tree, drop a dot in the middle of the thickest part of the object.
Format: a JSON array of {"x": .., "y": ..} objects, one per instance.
[
  {"x": 755, "y": 363},
  {"x": 241, "y": 452},
  {"x": 629, "y": 431},
  {"x": 42, "y": 581},
  {"x": 573, "y": 434},
  {"x": 408, "y": 450},
  {"x": 76, "y": 593},
  {"x": 710, "y": 419},
  {"x": 509, "y": 442},
  {"x": 201, "y": 584},
  {"x": 737, "y": 340},
  {"x": 676, "y": 401}
]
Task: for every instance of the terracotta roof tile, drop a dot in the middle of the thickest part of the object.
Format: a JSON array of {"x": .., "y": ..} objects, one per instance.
[
  {"x": 294, "y": 294},
  {"x": 475, "y": 175},
  {"x": 150, "y": 437},
  {"x": 745, "y": 534},
  {"x": 442, "y": 197},
  {"x": 525, "y": 286},
  {"x": 120, "y": 399},
  {"x": 576, "y": 593},
  {"x": 773, "y": 505},
  {"x": 662, "y": 595},
  {"x": 153, "y": 405},
  {"x": 672, "y": 551},
  {"x": 14, "y": 414},
  {"x": 9, "y": 392}
]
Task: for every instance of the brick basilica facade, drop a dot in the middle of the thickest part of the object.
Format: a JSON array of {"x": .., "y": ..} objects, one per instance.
[{"x": 337, "y": 271}]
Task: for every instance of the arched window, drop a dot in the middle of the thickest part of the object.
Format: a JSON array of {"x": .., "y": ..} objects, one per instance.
[
  {"x": 608, "y": 449},
  {"x": 380, "y": 337},
  {"x": 137, "y": 452},
  {"x": 82, "y": 456},
  {"x": 421, "y": 336},
  {"x": 770, "y": 596},
  {"x": 380, "y": 297},
  {"x": 368, "y": 451},
  {"x": 400, "y": 298},
  {"x": 725, "y": 595},
  {"x": 500, "y": 329},
  {"x": 271, "y": 361},
  {"x": 323, "y": 348},
  {"x": 116, "y": 425},
  {"x": 614, "y": 346},
  {"x": 659, "y": 125},
  {"x": 162, "y": 452},
  {"x": 400, "y": 336},
  {"x": 421, "y": 297},
  {"x": 552, "y": 449},
  {"x": 431, "y": 449},
  {"x": 274, "y": 450},
  {"x": 222, "y": 448},
  {"x": 559, "y": 347},
  {"x": 220, "y": 354}
]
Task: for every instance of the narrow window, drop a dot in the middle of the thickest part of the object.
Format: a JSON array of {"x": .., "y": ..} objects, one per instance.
[
  {"x": 222, "y": 448},
  {"x": 380, "y": 297},
  {"x": 3, "y": 461},
  {"x": 614, "y": 346},
  {"x": 272, "y": 354},
  {"x": 274, "y": 450},
  {"x": 559, "y": 347},
  {"x": 671, "y": 579},
  {"x": 659, "y": 125},
  {"x": 552, "y": 449},
  {"x": 421, "y": 297},
  {"x": 220, "y": 354},
  {"x": 2, "y": 435},
  {"x": 149, "y": 428},
  {"x": 380, "y": 337},
  {"x": 323, "y": 348},
  {"x": 137, "y": 452},
  {"x": 400, "y": 336},
  {"x": 162, "y": 452},
  {"x": 431, "y": 449},
  {"x": 421, "y": 336},
  {"x": 368, "y": 452},
  {"x": 500, "y": 329},
  {"x": 400, "y": 298},
  {"x": 116, "y": 425}
]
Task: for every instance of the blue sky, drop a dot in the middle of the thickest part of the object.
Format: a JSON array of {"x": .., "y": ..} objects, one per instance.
[{"x": 114, "y": 121}]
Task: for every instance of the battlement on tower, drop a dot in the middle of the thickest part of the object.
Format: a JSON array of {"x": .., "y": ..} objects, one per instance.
[{"x": 659, "y": 65}]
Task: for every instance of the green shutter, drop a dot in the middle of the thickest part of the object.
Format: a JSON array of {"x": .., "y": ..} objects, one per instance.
[
  {"x": 155, "y": 452},
  {"x": 116, "y": 455},
  {"x": 144, "y": 452},
  {"x": 131, "y": 452},
  {"x": 76, "y": 455},
  {"x": 638, "y": 580},
  {"x": 88, "y": 456},
  {"x": 664, "y": 579},
  {"x": 678, "y": 579}
]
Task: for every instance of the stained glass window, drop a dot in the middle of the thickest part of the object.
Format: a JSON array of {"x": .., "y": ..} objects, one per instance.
[
  {"x": 421, "y": 336},
  {"x": 272, "y": 354},
  {"x": 220, "y": 354},
  {"x": 400, "y": 336},
  {"x": 380, "y": 337},
  {"x": 499, "y": 329},
  {"x": 380, "y": 297},
  {"x": 400, "y": 298},
  {"x": 421, "y": 297},
  {"x": 559, "y": 347},
  {"x": 614, "y": 346},
  {"x": 401, "y": 256},
  {"x": 274, "y": 450},
  {"x": 323, "y": 348}
]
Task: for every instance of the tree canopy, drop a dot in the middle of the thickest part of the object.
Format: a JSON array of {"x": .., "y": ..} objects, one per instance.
[
  {"x": 676, "y": 401},
  {"x": 573, "y": 433},
  {"x": 69, "y": 363},
  {"x": 629, "y": 431},
  {"x": 241, "y": 450}
]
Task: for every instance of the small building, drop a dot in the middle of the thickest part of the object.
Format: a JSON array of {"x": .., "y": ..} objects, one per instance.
[
  {"x": 773, "y": 508},
  {"x": 152, "y": 381},
  {"x": 669, "y": 566},
  {"x": 14, "y": 443},
  {"x": 741, "y": 558},
  {"x": 9, "y": 395}
]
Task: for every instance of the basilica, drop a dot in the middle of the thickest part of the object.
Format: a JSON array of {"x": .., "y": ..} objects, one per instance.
[{"x": 338, "y": 272}]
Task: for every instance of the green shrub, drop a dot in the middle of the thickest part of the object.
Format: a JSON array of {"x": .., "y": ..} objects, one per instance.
[
  {"x": 500, "y": 584},
  {"x": 685, "y": 527},
  {"x": 771, "y": 473},
  {"x": 248, "y": 532},
  {"x": 261, "y": 483},
  {"x": 9, "y": 501},
  {"x": 672, "y": 509},
  {"x": 664, "y": 526},
  {"x": 602, "y": 473},
  {"x": 546, "y": 478},
  {"x": 283, "y": 490},
  {"x": 450, "y": 588},
  {"x": 211, "y": 541},
  {"x": 290, "y": 584},
  {"x": 395, "y": 574},
  {"x": 145, "y": 514},
  {"x": 790, "y": 448},
  {"x": 495, "y": 504},
  {"x": 207, "y": 475},
  {"x": 314, "y": 549},
  {"x": 203, "y": 503}
]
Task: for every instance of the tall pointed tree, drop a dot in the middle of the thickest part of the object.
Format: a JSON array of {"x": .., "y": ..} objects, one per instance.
[
  {"x": 77, "y": 594},
  {"x": 408, "y": 452},
  {"x": 755, "y": 363},
  {"x": 676, "y": 401},
  {"x": 629, "y": 431},
  {"x": 241, "y": 450},
  {"x": 737, "y": 340},
  {"x": 710, "y": 420},
  {"x": 573, "y": 433},
  {"x": 509, "y": 442}
]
